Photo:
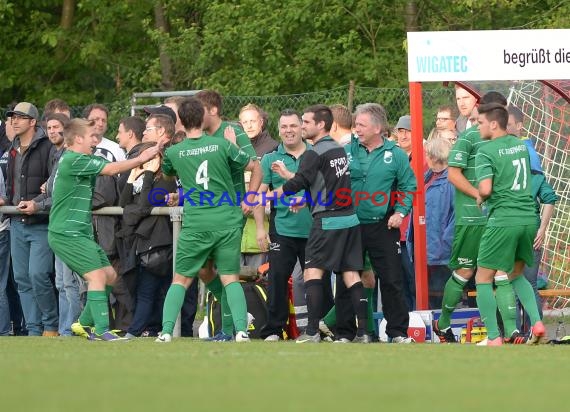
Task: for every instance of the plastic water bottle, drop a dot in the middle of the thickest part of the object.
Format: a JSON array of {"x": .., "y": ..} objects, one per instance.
[{"x": 560, "y": 330}]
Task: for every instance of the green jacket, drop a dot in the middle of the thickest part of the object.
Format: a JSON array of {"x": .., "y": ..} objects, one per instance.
[{"x": 385, "y": 177}]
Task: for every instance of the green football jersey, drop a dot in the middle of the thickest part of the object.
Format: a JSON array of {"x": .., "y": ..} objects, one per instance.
[
  {"x": 286, "y": 222},
  {"x": 462, "y": 155},
  {"x": 72, "y": 195},
  {"x": 505, "y": 160},
  {"x": 203, "y": 167},
  {"x": 243, "y": 142}
]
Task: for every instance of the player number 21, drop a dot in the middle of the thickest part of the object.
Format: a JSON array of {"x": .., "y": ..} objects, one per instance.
[
  {"x": 519, "y": 164},
  {"x": 202, "y": 175}
]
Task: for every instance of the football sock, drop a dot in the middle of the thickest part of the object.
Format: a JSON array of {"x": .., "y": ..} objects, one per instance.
[
  {"x": 237, "y": 305},
  {"x": 370, "y": 320},
  {"x": 452, "y": 294},
  {"x": 360, "y": 305},
  {"x": 86, "y": 319},
  {"x": 330, "y": 318},
  {"x": 488, "y": 309},
  {"x": 524, "y": 292},
  {"x": 99, "y": 310},
  {"x": 227, "y": 318},
  {"x": 505, "y": 296},
  {"x": 172, "y": 305},
  {"x": 314, "y": 293},
  {"x": 216, "y": 287},
  {"x": 108, "y": 290}
]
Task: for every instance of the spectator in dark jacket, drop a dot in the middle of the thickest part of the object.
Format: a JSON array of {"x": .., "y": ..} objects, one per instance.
[{"x": 32, "y": 259}]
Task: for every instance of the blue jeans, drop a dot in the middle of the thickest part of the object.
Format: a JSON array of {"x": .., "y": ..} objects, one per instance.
[
  {"x": 151, "y": 292},
  {"x": 437, "y": 278},
  {"x": 4, "y": 275},
  {"x": 67, "y": 284},
  {"x": 32, "y": 262},
  {"x": 409, "y": 278}
]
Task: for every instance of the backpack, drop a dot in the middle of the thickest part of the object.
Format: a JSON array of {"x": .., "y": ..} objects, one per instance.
[{"x": 256, "y": 299}]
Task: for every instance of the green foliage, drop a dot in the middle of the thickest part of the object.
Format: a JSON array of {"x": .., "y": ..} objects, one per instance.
[{"x": 248, "y": 47}]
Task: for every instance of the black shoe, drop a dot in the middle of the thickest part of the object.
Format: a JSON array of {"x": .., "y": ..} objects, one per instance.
[{"x": 445, "y": 336}]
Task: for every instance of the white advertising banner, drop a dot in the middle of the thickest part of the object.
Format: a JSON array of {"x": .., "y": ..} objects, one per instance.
[{"x": 489, "y": 55}]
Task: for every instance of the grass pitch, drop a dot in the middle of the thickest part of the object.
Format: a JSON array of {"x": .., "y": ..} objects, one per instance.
[{"x": 72, "y": 374}]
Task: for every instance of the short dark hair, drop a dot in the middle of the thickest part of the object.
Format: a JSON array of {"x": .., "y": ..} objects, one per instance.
[
  {"x": 164, "y": 121},
  {"x": 56, "y": 104},
  {"x": 290, "y": 112},
  {"x": 452, "y": 109},
  {"x": 516, "y": 113},
  {"x": 493, "y": 97},
  {"x": 191, "y": 113},
  {"x": 495, "y": 112},
  {"x": 209, "y": 98},
  {"x": 134, "y": 124},
  {"x": 321, "y": 113},
  {"x": 60, "y": 117},
  {"x": 87, "y": 111}
]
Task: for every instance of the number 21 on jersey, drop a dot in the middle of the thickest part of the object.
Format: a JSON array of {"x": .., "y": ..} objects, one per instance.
[
  {"x": 202, "y": 175},
  {"x": 519, "y": 164}
]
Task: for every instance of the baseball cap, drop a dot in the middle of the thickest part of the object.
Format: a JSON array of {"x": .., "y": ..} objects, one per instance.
[
  {"x": 405, "y": 122},
  {"x": 24, "y": 109},
  {"x": 162, "y": 109}
]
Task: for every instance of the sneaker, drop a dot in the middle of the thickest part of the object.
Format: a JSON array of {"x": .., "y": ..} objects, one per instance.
[
  {"x": 537, "y": 334},
  {"x": 362, "y": 339},
  {"x": 272, "y": 338},
  {"x": 242, "y": 337},
  {"x": 220, "y": 337},
  {"x": 324, "y": 329},
  {"x": 342, "y": 340},
  {"x": 495, "y": 342},
  {"x": 516, "y": 338},
  {"x": 482, "y": 343},
  {"x": 403, "y": 339},
  {"x": 130, "y": 336},
  {"x": 84, "y": 331},
  {"x": 50, "y": 333},
  {"x": 108, "y": 336},
  {"x": 306, "y": 338},
  {"x": 445, "y": 336},
  {"x": 164, "y": 338}
]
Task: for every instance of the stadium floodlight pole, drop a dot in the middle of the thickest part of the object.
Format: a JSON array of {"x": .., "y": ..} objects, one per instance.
[{"x": 419, "y": 206}]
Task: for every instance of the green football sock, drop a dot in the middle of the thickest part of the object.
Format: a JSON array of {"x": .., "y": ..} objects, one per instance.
[
  {"x": 488, "y": 309},
  {"x": 506, "y": 302},
  {"x": 452, "y": 294},
  {"x": 238, "y": 307},
  {"x": 172, "y": 305},
  {"x": 524, "y": 291},
  {"x": 370, "y": 322},
  {"x": 330, "y": 318},
  {"x": 86, "y": 319},
  {"x": 227, "y": 318},
  {"x": 99, "y": 310},
  {"x": 216, "y": 287}
]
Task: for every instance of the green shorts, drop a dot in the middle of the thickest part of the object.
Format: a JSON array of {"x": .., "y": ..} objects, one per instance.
[
  {"x": 194, "y": 248},
  {"x": 81, "y": 254},
  {"x": 501, "y": 247},
  {"x": 465, "y": 247}
]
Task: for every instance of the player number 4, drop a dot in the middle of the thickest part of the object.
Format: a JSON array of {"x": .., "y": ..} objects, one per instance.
[
  {"x": 519, "y": 164},
  {"x": 202, "y": 175}
]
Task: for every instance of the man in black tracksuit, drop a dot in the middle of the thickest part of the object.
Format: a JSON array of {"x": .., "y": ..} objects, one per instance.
[{"x": 334, "y": 240}]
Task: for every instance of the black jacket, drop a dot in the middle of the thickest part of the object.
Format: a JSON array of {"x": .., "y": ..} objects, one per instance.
[{"x": 34, "y": 173}]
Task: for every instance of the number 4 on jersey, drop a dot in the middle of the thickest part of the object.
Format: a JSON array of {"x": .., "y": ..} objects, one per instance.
[
  {"x": 519, "y": 164},
  {"x": 202, "y": 175}
]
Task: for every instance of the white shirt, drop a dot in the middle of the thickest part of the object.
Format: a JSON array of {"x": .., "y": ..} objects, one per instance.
[{"x": 109, "y": 150}]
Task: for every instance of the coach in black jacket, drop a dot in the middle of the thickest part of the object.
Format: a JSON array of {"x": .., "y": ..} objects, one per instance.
[{"x": 32, "y": 259}]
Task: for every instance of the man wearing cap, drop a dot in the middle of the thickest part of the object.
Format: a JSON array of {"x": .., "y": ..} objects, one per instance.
[
  {"x": 404, "y": 133},
  {"x": 32, "y": 259}
]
